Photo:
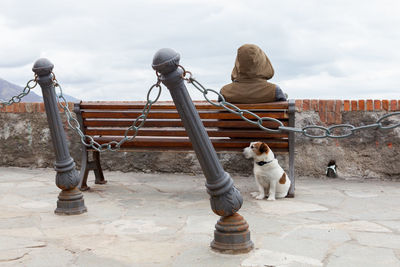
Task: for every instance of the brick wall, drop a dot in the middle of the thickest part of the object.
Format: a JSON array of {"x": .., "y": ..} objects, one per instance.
[
  {"x": 29, "y": 107},
  {"x": 330, "y": 111}
]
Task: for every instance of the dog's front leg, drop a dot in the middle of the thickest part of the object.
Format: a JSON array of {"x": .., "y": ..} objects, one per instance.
[
  {"x": 261, "y": 191},
  {"x": 272, "y": 189}
]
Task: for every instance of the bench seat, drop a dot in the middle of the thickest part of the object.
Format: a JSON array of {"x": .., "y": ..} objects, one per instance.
[{"x": 164, "y": 131}]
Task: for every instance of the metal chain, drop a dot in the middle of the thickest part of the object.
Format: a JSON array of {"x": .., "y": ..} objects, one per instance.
[
  {"x": 348, "y": 129},
  {"x": 88, "y": 140},
  {"x": 16, "y": 99}
]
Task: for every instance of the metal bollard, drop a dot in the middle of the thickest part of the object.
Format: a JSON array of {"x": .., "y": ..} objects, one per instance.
[
  {"x": 231, "y": 234},
  {"x": 70, "y": 200}
]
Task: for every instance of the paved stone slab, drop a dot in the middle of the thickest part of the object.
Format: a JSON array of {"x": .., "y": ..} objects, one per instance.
[
  {"x": 361, "y": 194},
  {"x": 378, "y": 240},
  {"x": 328, "y": 235},
  {"x": 355, "y": 255},
  {"x": 265, "y": 257},
  {"x": 302, "y": 247},
  {"x": 393, "y": 225},
  {"x": 362, "y": 226},
  {"x": 288, "y": 206},
  {"x": 147, "y": 219}
]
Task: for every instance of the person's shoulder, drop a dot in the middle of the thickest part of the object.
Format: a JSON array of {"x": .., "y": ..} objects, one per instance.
[
  {"x": 279, "y": 94},
  {"x": 226, "y": 87}
]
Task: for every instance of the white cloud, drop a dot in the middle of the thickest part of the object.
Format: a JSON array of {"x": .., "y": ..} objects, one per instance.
[{"x": 103, "y": 50}]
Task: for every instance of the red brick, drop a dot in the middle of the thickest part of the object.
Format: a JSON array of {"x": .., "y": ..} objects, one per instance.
[
  {"x": 35, "y": 107},
  {"x": 322, "y": 110},
  {"x": 354, "y": 105},
  {"x": 398, "y": 106},
  {"x": 15, "y": 107},
  {"x": 338, "y": 106},
  {"x": 29, "y": 107},
  {"x": 299, "y": 104},
  {"x": 385, "y": 104},
  {"x": 41, "y": 107},
  {"x": 361, "y": 105},
  {"x": 346, "y": 105},
  {"x": 393, "y": 105},
  {"x": 314, "y": 104},
  {"x": 370, "y": 105},
  {"x": 338, "y": 112},
  {"x": 377, "y": 105},
  {"x": 306, "y": 104},
  {"x": 330, "y": 104},
  {"x": 9, "y": 108},
  {"x": 21, "y": 108}
]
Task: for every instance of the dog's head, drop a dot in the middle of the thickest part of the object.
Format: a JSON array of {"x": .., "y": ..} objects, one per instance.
[{"x": 255, "y": 149}]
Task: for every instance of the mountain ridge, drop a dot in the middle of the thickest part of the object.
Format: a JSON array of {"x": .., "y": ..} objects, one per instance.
[{"x": 8, "y": 90}]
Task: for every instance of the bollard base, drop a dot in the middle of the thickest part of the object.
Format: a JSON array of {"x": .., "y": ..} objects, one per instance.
[
  {"x": 70, "y": 202},
  {"x": 232, "y": 235}
]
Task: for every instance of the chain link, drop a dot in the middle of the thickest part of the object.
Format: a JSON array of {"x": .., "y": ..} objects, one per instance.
[
  {"x": 347, "y": 130},
  {"x": 88, "y": 140},
  {"x": 17, "y": 98}
]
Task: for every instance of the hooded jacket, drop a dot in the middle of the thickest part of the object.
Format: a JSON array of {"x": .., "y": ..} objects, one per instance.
[{"x": 249, "y": 78}]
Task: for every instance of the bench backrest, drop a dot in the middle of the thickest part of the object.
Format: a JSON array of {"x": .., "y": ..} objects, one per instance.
[{"x": 163, "y": 129}]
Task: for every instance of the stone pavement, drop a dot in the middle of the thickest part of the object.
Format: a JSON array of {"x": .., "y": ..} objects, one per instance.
[{"x": 144, "y": 220}]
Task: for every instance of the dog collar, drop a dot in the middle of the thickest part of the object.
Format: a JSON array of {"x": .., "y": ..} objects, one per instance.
[{"x": 262, "y": 163}]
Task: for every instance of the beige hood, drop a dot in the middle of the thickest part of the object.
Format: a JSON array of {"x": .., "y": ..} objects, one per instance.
[
  {"x": 249, "y": 77},
  {"x": 251, "y": 62}
]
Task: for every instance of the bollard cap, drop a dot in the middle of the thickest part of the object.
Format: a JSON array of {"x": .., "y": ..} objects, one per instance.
[
  {"x": 165, "y": 60},
  {"x": 42, "y": 67}
]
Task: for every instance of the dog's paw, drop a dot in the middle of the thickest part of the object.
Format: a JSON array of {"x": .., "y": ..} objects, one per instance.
[
  {"x": 260, "y": 197},
  {"x": 270, "y": 198},
  {"x": 257, "y": 195},
  {"x": 254, "y": 194}
]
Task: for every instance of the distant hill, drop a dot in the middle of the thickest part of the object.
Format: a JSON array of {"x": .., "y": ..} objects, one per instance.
[{"x": 8, "y": 90}]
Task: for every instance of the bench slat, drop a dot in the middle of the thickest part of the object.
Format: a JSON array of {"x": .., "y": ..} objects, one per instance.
[
  {"x": 169, "y": 105},
  {"x": 185, "y": 142},
  {"x": 177, "y": 123},
  {"x": 181, "y": 132},
  {"x": 173, "y": 114},
  {"x": 188, "y": 149}
]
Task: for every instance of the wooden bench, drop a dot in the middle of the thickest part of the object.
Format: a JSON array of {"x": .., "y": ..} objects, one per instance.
[{"x": 163, "y": 129}]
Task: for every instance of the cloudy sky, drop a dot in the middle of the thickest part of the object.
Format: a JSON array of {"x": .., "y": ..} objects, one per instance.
[{"x": 102, "y": 50}]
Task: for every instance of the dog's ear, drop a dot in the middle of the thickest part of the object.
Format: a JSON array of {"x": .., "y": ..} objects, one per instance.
[{"x": 263, "y": 148}]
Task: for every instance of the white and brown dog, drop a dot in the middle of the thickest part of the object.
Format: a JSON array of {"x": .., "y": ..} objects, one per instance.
[{"x": 269, "y": 175}]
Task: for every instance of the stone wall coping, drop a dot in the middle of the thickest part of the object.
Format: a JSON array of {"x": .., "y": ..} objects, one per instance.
[
  {"x": 330, "y": 105},
  {"x": 329, "y": 110}
]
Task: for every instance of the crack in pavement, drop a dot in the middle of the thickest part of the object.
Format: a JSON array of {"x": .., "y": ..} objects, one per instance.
[{"x": 17, "y": 258}]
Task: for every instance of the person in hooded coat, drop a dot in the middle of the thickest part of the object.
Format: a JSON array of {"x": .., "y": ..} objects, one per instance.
[{"x": 249, "y": 78}]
